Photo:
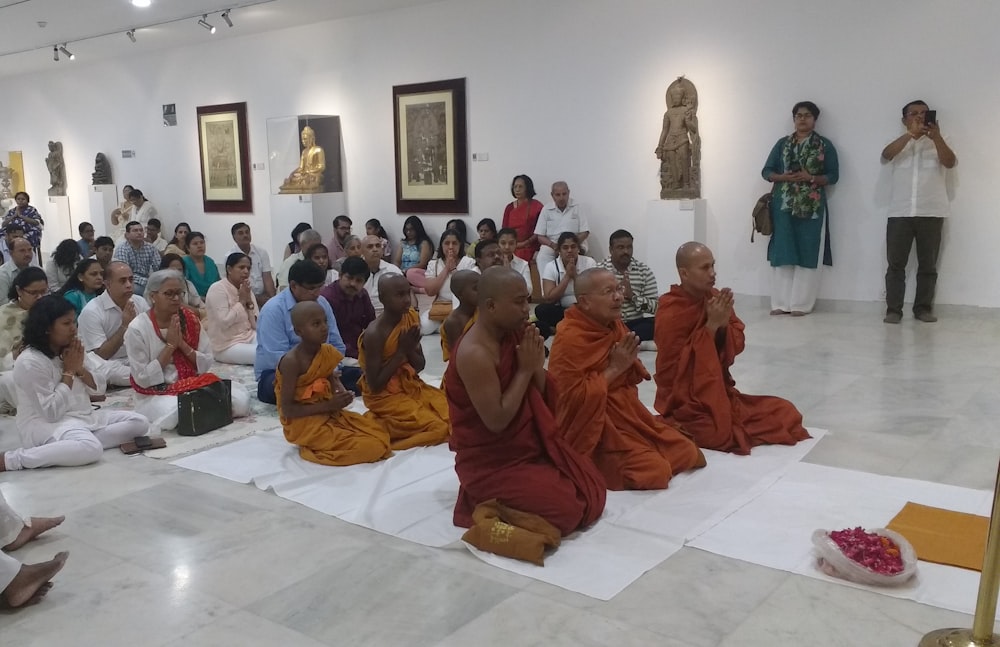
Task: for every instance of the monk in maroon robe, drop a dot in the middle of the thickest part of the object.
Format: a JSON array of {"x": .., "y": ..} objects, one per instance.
[
  {"x": 507, "y": 447},
  {"x": 698, "y": 337}
]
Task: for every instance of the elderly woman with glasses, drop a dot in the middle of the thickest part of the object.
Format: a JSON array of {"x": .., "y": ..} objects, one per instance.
[
  {"x": 170, "y": 353},
  {"x": 28, "y": 287},
  {"x": 801, "y": 166}
]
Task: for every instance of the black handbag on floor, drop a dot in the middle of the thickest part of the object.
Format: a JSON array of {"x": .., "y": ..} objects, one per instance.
[{"x": 205, "y": 409}]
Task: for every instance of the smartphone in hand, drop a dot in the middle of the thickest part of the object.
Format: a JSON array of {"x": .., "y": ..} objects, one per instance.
[{"x": 930, "y": 117}]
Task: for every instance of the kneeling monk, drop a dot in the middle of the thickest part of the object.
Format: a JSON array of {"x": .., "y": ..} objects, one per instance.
[
  {"x": 595, "y": 364},
  {"x": 465, "y": 287},
  {"x": 698, "y": 337},
  {"x": 311, "y": 399},
  {"x": 413, "y": 412},
  {"x": 507, "y": 445}
]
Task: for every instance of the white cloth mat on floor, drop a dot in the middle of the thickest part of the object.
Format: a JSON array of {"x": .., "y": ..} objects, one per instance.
[
  {"x": 774, "y": 529},
  {"x": 178, "y": 446},
  {"x": 412, "y": 495}
]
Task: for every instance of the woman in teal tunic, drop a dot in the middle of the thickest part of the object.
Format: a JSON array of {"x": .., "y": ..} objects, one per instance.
[
  {"x": 86, "y": 283},
  {"x": 801, "y": 166},
  {"x": 199, "y": 269}
]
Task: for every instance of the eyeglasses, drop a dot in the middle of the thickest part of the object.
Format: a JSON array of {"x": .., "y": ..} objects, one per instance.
[
  {"x": 172, "y": 294},
  {"x": 802, "y": 115},
  {"x": 916, "y": 113},
  {"x": 34, "y": 293}
]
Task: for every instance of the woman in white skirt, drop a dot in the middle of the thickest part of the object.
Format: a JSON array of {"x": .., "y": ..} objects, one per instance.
[
  {"x": 54, "y": 379},
  {"x": 232, "y": 313},
  {"x": 170, "y": 354}
]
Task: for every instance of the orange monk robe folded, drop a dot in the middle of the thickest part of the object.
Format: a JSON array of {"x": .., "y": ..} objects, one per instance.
[
  {"x": 695, "y": 388},
  {"x": 445, "y": 355},
  {"x": 528, "y": 466},
  {"x": 634, "y": 449},
  {"x": 413, "y": 412},
  {"x": 341, "y": 438}
]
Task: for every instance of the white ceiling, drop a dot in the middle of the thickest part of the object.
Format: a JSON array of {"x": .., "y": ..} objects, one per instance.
[{"x": 81, "y": 24}]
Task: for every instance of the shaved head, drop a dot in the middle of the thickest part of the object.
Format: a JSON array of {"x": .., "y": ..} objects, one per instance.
[
  {"x": 498, "y": 281},
  {"x": 463, "y": 280},
  {"x": 302, "y": 310},
  {"x": 587, "y": 279},
  {"x": 391, "y": 282},
  {"x": 688, "y": 252}
]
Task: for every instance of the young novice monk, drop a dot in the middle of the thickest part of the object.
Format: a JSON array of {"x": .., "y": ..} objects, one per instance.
[
  {"x": 465, "y": 286},
  {"x": 412, "y": 412},
  {"x": 311, "y": 399}
]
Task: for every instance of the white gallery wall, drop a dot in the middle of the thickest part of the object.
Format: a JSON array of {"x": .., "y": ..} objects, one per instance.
[{"x": 565, "y": 89}]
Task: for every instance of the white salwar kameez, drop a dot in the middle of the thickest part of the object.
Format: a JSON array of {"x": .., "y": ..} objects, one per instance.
[
  {"x": 57, "y": 424},
  {"x": 11, "y": 524},
  {"x": 144, "y": 346},
  {"x": 794, "y": 288}
]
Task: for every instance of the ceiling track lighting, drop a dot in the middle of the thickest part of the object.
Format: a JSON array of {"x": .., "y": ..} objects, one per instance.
[
  {"x": 55, "y": 53},
  {"x": 131, "y": 35},
  {"x": 68, "y": 54},
  {"x": 225, "y": 17},
  {"x": 205, "y": 24}
]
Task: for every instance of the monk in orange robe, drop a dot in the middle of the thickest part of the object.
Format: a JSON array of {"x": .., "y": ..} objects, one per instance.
[
  {"x": 413, "y": 412},
  {"x": 507, "y": 444},
  {"x": 595, "y": 363},
  {"x": 465, "y": 286},
  {"x": 698, "y": 337},
  {"x": 311, "y": 399}
]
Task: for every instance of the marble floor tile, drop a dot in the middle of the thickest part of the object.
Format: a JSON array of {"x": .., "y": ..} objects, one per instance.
[
  {"x": 382, "y": 596},
  {"x": 244, "y": 629}
]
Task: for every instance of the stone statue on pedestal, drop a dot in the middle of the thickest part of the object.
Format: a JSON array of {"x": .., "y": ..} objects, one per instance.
[
  {"x": 679, "y": 148},
  {"x": 308, "y": 177},
  {"x": 57, "y": 169},
  {"x": 102, "y": 170}
]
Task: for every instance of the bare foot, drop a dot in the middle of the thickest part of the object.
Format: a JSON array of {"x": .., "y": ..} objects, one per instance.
[
  {"x": 28, "y": 533},
  {"x": 778, "y": 311},
  {"x": 32, "y": 582}
]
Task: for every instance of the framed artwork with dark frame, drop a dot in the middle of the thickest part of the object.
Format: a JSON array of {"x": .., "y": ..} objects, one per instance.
[
  {"x": 225, "y": 158},
  {"x": 432, "y": 165}
]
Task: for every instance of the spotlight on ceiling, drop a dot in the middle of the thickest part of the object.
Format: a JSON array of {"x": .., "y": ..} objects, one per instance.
[
  {"x": 68, "y": 54},
  {"x": 225, "y": 17},
  {"x": 131, "y": 35},
  {"x": 55, "y": 53},
  {"x": 204, "y": 24},
  {"x": 141, "y": 3}
]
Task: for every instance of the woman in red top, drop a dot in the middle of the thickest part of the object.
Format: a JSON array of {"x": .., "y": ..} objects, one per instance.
[{"x": 522, "y": 214}]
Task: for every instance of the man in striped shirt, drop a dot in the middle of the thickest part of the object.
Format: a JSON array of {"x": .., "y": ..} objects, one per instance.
[{"x": 639, "y": 284}]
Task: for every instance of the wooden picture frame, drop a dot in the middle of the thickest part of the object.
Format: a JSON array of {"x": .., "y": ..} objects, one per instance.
[
  {"x": 224, "y": 152},
  {"x": 431, "y": 141}
]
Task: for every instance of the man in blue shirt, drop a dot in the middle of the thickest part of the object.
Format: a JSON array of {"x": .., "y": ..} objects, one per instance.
[{"x": 275, "y": 335}]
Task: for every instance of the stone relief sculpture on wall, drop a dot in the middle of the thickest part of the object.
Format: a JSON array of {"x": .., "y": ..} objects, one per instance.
[
  {"x": 679, "y": 148},
  {"x": 57, "y": 169},
  {"x": 102, "y": 170}
]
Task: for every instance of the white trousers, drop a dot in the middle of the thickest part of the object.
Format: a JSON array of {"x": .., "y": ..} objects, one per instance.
[
  {"x": 238, "y": 354},
  {"x": 78, "y": 443},
  {"x": 545, "y": 256},
  {"x": 428, "y": 326},
  {"x": 162, "y": 409},
  {"x": 794, "y": 288}
]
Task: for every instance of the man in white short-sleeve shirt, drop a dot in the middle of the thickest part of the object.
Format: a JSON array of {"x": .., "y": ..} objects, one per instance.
[
  {"x": 371, "y": 251},
  {"x": 261, "y": 281},
  {"x": 559, "y": 216},
  {"x": 919, "y": 161},
  {"x": 105, "y": 319},
  {"x": 558, "y": 279}
]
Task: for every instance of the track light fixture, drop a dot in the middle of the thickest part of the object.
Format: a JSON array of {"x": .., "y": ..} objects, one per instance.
[
  {"x": 131, "y": 35},
  {"x": 68, "y": 54},
  {"x": 225, "y": 17},
  {"x": 55, "y": 53},
  {"x": 205, "y": 24}
]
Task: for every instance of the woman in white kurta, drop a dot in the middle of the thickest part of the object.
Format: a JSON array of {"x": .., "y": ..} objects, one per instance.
[
  {"x": 28, "y": 287},
  {"x": 54, "y": 379},
  {"x": 233, "y": 313},
  {"x": 169, "y": 353},
  {"x": 24, "y": 584}
]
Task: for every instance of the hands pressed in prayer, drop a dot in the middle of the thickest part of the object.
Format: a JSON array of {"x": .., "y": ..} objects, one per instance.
[
  {"x": 409, "y": 341},
  {"x": 245, "y": 296},
  {"x": 626, "y": 287},
  {"x": 174, "y": 331},
  {"x": 128, "y": 313},
  {"x": 72, "y": 357},
  {"x": 571, "y": 269},
  {"x": 719, "y": 309},
  {"x": 531, "y": 350},
  {"x": 622, "y": 356}
]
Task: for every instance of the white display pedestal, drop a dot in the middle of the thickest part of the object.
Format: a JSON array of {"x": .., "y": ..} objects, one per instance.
[
  {"x": 57, "y": 224},
  {"x": 668, "y": 225},
  {"x": 317, "y": 209},
  {"x": 103, "y": 200}
]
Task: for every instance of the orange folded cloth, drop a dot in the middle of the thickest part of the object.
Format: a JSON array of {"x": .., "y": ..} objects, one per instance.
[
  {"x": 507, "y": 532},
  {"x": 943, "y": 536}
]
